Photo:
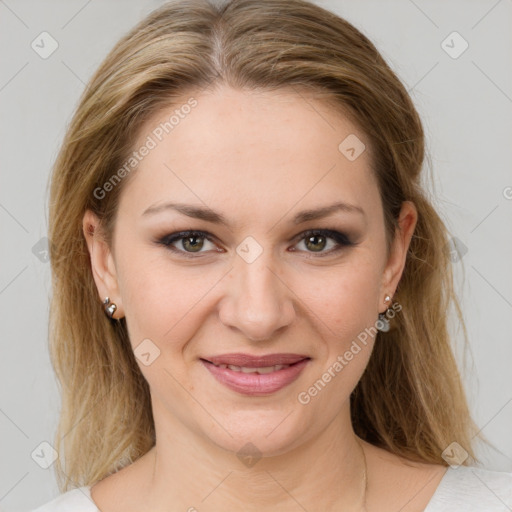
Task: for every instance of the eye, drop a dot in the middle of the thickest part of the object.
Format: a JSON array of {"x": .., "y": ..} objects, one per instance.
[
  {"x": 190, "y": 241},
  {"x": 316, "y": 240}
]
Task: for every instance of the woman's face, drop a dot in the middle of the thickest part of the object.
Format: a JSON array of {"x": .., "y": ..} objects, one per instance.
[{"x": 247, "y": 170}]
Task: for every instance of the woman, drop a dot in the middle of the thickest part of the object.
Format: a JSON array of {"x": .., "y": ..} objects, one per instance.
[{"x": 250, "y": 285}]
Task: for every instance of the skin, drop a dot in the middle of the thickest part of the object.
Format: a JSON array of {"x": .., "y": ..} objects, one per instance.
[{"x": 258, "y": 158}]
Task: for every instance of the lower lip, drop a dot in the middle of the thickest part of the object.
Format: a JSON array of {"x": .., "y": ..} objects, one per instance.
[{"x": 254, "y": 384}]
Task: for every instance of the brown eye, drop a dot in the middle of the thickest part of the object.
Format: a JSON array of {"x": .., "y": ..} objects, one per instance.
[
  {"x": 193, "y": 243},
  {"x": 186, "y": 243},
  {"x": 315, "y": 241}
]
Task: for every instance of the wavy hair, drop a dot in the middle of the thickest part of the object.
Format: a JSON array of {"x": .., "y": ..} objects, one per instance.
[{"x": 410, "y": 400}]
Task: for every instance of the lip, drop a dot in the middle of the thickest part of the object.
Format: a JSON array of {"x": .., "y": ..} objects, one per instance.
[
  {"x": 240, "y": 359},
  {"x": 254, "y": 384}
]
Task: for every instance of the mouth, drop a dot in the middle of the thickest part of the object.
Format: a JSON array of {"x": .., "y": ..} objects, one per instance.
[
  {"x": 249, "y": 361},
  {"x": 260, "y": 375},
  {"x": 245, "y": 369}
]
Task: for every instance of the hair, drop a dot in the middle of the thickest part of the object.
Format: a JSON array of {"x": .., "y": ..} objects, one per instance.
[{"x": 410, "y": 399}]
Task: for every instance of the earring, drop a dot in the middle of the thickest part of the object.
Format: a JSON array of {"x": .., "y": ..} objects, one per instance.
[
  {"x": 382, "y": 323},
  {"x": 110, "y": 308}
]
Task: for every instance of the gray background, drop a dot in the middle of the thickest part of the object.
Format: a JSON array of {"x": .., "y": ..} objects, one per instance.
[{"x": 465, "y": 103}]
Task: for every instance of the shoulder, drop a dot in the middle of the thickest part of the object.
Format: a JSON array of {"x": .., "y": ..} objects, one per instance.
[
  {"x": 472, "y": 489},
  {"x": 76, "y": 500}
]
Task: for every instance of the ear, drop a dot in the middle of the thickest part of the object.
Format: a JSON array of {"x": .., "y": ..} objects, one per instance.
[
  {"x": 398, "y": 252},
  {"x": 102, "y": 262}
]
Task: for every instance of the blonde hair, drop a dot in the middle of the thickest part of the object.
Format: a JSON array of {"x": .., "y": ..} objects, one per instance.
[{"x": 410, "y": 400}]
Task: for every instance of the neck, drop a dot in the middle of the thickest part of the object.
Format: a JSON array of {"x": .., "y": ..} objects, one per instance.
[{"x": 325, "y": 472}]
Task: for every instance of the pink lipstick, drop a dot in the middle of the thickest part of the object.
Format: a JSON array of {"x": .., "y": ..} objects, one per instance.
[{"x": 256, "y": 375}]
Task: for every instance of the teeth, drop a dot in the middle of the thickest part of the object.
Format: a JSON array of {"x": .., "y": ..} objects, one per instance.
[{"x": 244, "y": 369}]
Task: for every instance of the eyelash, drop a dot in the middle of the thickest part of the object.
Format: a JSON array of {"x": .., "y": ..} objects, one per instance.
[{"x": 341, "y": 240}]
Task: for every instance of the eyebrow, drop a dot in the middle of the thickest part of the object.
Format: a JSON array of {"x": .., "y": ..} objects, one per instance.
[{"x": 209, "y": 215}]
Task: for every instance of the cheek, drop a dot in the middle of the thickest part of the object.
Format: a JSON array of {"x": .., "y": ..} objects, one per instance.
[
  {"x": 342, "y": 298},
  {"x": 163, "y": 301},
  {"x": 344, "y": 315}
]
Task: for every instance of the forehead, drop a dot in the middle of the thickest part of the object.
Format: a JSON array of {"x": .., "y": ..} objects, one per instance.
[{"x": 252, "y": 149}]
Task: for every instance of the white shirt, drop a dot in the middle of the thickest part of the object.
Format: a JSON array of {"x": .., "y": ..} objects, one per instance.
[{"x": 464, "y": 489}]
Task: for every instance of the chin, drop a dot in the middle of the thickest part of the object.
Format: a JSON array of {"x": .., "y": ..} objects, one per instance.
[{"x": 257, "y": 433}]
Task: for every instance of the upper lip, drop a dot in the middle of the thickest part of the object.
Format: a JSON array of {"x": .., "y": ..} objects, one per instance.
[{"x": 249, "y": 361}]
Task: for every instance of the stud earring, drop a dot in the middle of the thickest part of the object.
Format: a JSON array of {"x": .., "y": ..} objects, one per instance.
[
  {"x": 110, "y": 308},
  {"x": 382, "y": 323}
]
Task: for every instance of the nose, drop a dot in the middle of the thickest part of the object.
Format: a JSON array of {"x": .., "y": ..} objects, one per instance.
[{"x": 257, "y": 302}]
